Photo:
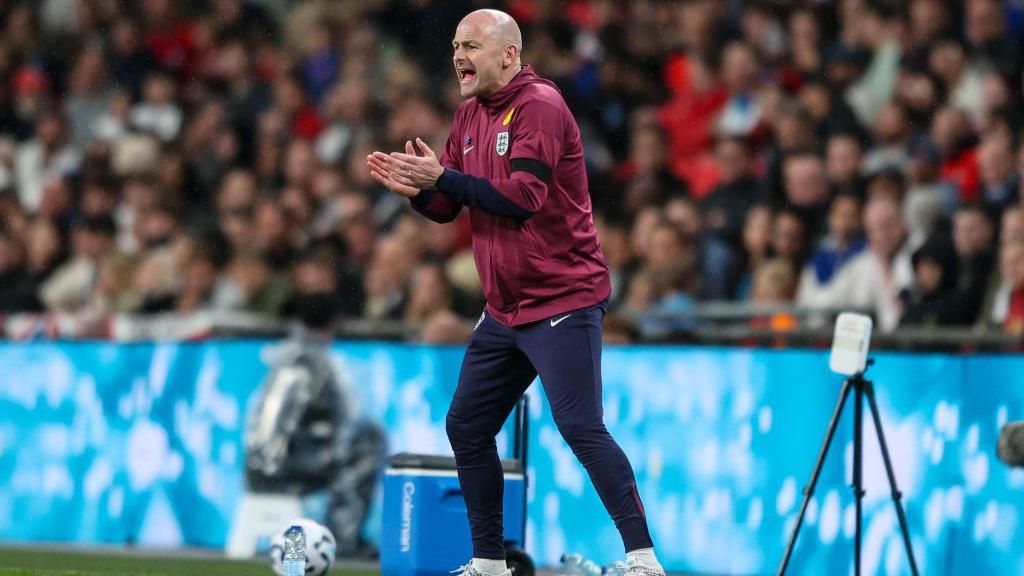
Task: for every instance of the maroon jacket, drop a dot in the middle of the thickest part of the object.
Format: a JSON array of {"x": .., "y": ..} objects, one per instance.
[{"x": 516, "y": 159}]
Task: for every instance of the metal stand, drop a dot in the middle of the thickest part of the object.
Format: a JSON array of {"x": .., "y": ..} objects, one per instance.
[{"x": 862, "y": 388}]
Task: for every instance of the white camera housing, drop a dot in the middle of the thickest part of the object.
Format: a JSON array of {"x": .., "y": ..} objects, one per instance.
[{"x": 850, "y": 344}]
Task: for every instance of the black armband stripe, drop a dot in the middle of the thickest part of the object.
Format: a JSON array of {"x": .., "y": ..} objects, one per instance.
[{"x": 539, "y": 169}]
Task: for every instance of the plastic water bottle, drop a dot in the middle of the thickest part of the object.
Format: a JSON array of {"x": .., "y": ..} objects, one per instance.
[
  {"x": 295, "y": 552},
  {"x": 616, "y": 569},
  {"x": 577, "y": 565}
]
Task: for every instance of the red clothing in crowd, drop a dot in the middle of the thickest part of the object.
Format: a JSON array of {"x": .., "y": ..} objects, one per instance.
[
  {"x": 688, "y": 119},
  {"x": 962, "y": 170}
]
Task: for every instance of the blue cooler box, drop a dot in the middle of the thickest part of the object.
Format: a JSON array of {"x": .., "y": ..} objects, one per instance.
[{"x": 425, "y": 529}]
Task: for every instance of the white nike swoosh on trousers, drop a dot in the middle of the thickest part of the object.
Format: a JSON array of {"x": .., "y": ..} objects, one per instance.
[
  {"x": 466, "y": 150},
  {"x": 559, "y": 321}
]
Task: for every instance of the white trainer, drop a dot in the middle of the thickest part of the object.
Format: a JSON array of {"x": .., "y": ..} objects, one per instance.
[
  {"x": 469, "y": 570},
  {"x": 639, "y": 568}
]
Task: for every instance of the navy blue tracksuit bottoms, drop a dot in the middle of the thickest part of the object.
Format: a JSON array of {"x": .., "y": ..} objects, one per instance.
[{"x": 499, "y": 365}]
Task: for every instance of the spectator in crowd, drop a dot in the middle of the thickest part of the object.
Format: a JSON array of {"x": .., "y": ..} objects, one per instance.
[
  {"x": 973, "y": 237},
  {"x": 933, "y": 300},
  {"x": 757, "y": 234},
  {"x": 874, "y": 279},
  {"x": 1006, "y": 308},
  {"x": 70, "y": 287},
  {"x": 843, "y": 160},
  {"x": 843, "y": 242},
  {"x": 45, "y": 159},
  {"x": 725, "y": 209}
]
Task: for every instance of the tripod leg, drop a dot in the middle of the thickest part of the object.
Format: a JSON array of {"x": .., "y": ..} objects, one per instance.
[
  {"x": 809, "y": 490},
  {"x": 858, "y": 471},
  {"x": 897, "y": 496}
]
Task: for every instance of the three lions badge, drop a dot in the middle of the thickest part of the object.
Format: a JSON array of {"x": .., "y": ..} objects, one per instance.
[{"x": 501, "y": 145}]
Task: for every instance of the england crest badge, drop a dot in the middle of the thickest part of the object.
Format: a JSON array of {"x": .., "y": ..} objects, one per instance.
[{"x": 501, "y": 146}]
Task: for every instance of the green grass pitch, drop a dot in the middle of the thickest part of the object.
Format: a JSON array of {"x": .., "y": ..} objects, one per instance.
[{"x": 46, "y": 562}]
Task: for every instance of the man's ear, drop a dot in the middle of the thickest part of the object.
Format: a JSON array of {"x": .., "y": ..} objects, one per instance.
[{"x": 510, "y": 56}]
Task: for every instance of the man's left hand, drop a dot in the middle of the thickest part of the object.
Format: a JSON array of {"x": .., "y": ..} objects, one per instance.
[{"x": 413, "y": 170}]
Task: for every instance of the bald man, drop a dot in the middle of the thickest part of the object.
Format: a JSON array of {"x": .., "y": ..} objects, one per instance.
[{"x": 515, "y": 159}]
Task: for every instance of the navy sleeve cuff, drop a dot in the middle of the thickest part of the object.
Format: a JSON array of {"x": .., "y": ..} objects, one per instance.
[{"x": 479, "y": 193}]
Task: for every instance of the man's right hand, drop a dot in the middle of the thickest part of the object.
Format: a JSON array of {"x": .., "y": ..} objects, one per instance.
[{"x": 383, "y": 171}]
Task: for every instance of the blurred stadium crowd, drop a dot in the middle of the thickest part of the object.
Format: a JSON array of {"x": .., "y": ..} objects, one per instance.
[{"x": 183, "y": 156}]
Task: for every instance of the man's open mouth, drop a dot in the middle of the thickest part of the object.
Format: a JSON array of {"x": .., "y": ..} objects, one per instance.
[{"x": 466, "y": 75}]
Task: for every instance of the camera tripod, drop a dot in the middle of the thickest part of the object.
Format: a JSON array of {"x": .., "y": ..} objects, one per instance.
[{"x": 862, "y": 389}]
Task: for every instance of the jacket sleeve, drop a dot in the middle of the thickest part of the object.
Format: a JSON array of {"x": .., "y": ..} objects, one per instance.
[
  {"x": 442, "y": 207},
  {"x": 537, "y": 140}
]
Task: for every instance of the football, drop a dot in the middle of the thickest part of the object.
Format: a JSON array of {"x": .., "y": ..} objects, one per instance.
[{"x": 320, "y": 547}]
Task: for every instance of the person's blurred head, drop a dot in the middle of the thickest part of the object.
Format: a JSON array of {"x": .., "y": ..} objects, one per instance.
[
  {"x": 429, "y": 291},
  {"x": 124, "y": 37},
  {"x": 947, "y": 61},
  {"x": 159, "y": 226},
  {"x": 1011, "y": 263},
  {"x": 889, "y": 183},
  {"x": 920, "y": 93},
  {"x": 647, "y": 149},
  {"x": 925, "y": 163},
  {"x": 995, "y": 160},
  {"x": 643, "y": 227},
  {"x": 774, "y": 282},
  {"x": 235, "y": 203},
  {"x": 98, "y": 198},
  {"x": 884, "y": 226},
  {"x": 949, "y": 128},
  {"x": 58, "y": 199},
  {"x": 300, "y": 163},
  {"x": 114, "y": 275},
  {"x": 789, "y": 237},
  {"x": 805, "y": 181},
  {"x": 996, "y": 92},
  {"x": 892, "y": 126},
  {"x": 816, "y": 98},
  {"x": 233, "y": 63},
  {"x": 669, "y": 246},
  {"x": 739, "y": 67},
  {"x": 43, "y": 245},
  {"x": 51, "y": 130},
  {"x": 486, "y": 52},
  {"x": 843, "y": 157},
  {"x": 159, "y": 88},
  {"x": 935, "y": 268},
  {"x": 792, "y": 127},
  {"x": 198, "y": 278},
  {"x": 929, "y": 19},
  {"x": 249, "y": 272},
  {"x": 89, "y": 74},
  {"x": 804, "y": 28},
  {"x": 93, "y": 236},
  {"x": 289, "y": 95},
  {"x": 973, "y": 231},
  {"x": 985, "y": 21},
  {"x": 360, "y": 234},
  {"x": 390, "y": 267},
  {"x": 615, "y": 244},
  {"x": 733, "y": 156},
  {"x": 844, "y": 218},
  {"x": 683, "y": 212},
  {"x": 271, "y": 226},
  {"x": 1011, "y": 228}
]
